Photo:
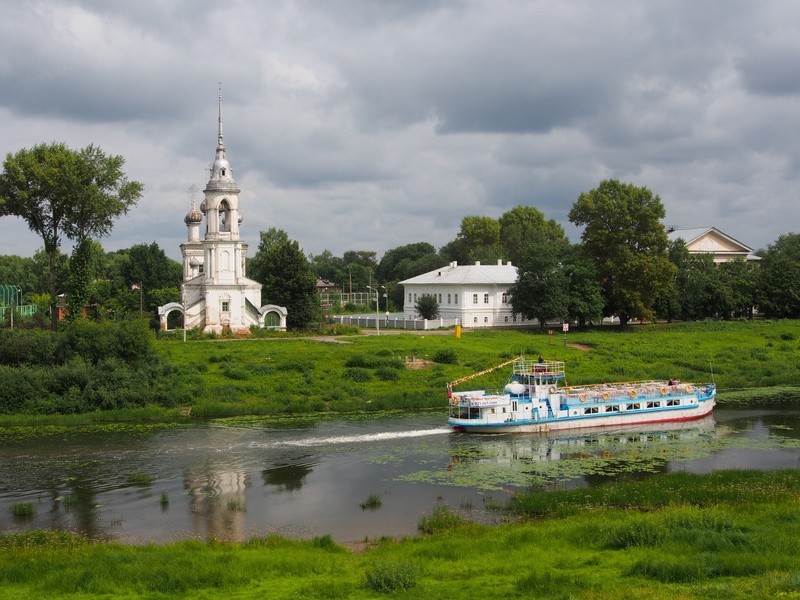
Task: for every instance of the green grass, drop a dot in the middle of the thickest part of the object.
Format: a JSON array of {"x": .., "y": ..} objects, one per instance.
[
  {"x": 727, "y": 535},
  {"x": 373, "y": 502},
  {"x": 752, "y": 361},
  {"x": 299, "y": 375}
]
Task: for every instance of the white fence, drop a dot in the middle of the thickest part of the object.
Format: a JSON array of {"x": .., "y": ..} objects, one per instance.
[{"x": 394, "y": 323}]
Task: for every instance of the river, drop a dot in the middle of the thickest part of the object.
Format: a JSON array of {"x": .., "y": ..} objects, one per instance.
[{"x": 239, "y": 478}]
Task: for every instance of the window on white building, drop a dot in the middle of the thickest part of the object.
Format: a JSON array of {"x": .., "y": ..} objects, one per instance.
[
  {"x": 485, "y": 319},
  {"x": 455, "y": 299},
  {"x": 474, "y": 298},
  {"x": 448, "y": 298},
  {"x": 409, "y": 296},
  {"x": 474, "y": 319},
  {"x": 505, "y": 297},
  {"x": 415, "y": 297},
  {"x": 440, "y": 298},
  {"x": 226, "y": 306},
  {"x": 486, "y": 298}
]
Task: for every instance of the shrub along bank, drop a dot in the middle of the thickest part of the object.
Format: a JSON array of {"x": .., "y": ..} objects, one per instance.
[{"x": 85, "y": 367}]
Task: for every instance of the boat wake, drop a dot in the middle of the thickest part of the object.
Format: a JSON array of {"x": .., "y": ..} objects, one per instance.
[{"x": 367, "y": 437}]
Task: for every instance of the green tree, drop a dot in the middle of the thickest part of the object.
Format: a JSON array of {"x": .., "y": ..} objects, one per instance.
[
  {"x": 146, "y": 269},
  {"x": 623, "y": 234},
  {"x": 404, "y": 262},
  {"x": 542, "y": 288},
  {"x": 427, "y": 306},
  {"x": 523, "y": 225},
  {"x": 63, "y": 192},
  {"x": 287, "y": 279},
  {"x": 477, "y": 240},
  {"x": 779, "y": 278},
  {"x": 585, "y": 296}
]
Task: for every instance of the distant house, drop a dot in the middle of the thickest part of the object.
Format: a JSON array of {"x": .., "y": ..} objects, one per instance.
[
  {"x": 710, "y": 240},
  {"x": 476, "y": 295},
  {"x": 323, "y": 286}
]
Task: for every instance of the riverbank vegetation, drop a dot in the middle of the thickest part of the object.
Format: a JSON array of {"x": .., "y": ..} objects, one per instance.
[
  {"x": 121, "y": 371},
  {"x": 728, "y": 534}
]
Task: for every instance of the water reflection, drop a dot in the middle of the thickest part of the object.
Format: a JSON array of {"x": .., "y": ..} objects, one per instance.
[
  {"x": 232, "y": 482},
  {"x": 217, "y": 502},
  {"x": 286, "y": 477}
]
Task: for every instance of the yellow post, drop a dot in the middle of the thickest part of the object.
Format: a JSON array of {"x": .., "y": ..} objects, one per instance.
[{"x": 458, "y": 332}]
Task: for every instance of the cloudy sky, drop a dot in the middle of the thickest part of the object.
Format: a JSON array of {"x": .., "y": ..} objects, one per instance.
[{"x": 368, "y": 124}]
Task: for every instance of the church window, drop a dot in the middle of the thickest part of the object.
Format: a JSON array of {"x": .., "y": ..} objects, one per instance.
[
  {"x": 224, "y": 216},
  {"x": 272, "y": 319}
]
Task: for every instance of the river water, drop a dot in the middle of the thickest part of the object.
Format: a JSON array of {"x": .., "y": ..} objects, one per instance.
[{"x": 240, "y": 478}]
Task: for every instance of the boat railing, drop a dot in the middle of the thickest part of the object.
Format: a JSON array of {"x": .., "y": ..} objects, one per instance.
[
  {"x": 539, "y": 368},
  {"x": 639, "y": 389}
]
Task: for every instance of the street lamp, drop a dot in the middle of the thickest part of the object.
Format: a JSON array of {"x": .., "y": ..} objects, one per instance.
[
  {"x": 377, "y": 309},
  {"x": 386, "y": 296}
]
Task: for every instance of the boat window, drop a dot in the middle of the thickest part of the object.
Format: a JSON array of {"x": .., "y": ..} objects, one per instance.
[
  {"x": 656, "y": 404},
  {"x": 591, "y": 410},
  {"x": 673, "y": 402},
  {"x": 633, "y": 406},
  {"x": 612, "y": 408}
]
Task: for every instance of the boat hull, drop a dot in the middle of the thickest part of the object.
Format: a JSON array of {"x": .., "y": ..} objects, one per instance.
[{"x": 644, "y": 417}]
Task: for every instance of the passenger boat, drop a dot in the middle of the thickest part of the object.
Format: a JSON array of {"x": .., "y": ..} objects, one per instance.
[{"x": 537, "y": 399}]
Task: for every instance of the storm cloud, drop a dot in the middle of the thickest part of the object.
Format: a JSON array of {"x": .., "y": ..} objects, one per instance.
[{"x": 357, "y": 124}]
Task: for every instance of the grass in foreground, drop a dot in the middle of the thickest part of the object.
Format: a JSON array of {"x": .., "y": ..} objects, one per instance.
[{"x": 735, "y": 538}]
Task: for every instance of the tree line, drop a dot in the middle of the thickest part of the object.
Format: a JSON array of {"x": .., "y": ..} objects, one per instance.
[{"x": 623, "y": 265}]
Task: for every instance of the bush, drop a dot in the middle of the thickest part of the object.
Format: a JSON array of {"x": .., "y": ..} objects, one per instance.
[
  {"x": 357, "y": 374},
  {"x": 388, "y": 577},
  {"x": 387, "y": 373},
  {"x": 446, "y": 356}
]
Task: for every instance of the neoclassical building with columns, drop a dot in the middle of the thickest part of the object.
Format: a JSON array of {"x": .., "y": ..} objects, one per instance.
[{"x": 216, "y": 294}]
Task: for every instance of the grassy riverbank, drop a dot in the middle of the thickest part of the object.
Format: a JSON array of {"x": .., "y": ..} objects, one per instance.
[
  {"x": 282, "y": 376},
  {"x": 372, "y": 373},
  {"x": 725, "y": 535}
]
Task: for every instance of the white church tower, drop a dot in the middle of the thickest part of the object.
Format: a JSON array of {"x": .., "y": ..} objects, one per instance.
[{"x": 217, "y": 296}]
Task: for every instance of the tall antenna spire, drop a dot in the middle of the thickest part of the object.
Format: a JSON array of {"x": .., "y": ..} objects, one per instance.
[{"x": 219, "y": 116}]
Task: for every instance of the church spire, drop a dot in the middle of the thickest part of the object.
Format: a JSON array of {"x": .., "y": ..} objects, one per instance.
[
  {"x": 221, "y": 172},
  {"x": 220, "y": 143}
]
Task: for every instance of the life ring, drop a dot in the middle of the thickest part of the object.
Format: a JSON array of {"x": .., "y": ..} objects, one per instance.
[
  {"x": 633, "y": 393},
  {"x": 552, "y": 389},
  {"x": 455, "y": 400},
  {"x": 606, "y": 395},
  {"x": 663, "y": 391},
  {"x": 688, "y": 388},
  {"x": 582, "y": 397}
]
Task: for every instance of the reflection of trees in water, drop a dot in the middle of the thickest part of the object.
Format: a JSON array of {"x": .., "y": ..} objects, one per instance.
[
  {"x": 217, "y": 502},
  {"x": 74, "y": 505},
  {"x": 289, "y": 477}
]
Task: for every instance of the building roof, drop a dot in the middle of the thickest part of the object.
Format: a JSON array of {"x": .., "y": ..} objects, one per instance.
[
  {"x": 693, "y": 234},
  {"x": 711, "y": 240},
  {"x": 500, "y": 274}
]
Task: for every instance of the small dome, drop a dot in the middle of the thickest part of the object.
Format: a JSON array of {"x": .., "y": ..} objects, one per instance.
[
  {"x": 193, "y": 216},
  {"x": 240, "y": 218},
  {"x": 195, "y": 262}
]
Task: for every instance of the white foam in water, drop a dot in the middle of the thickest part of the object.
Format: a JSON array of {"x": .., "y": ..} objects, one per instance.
[{"x": 367, "y": 437}]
